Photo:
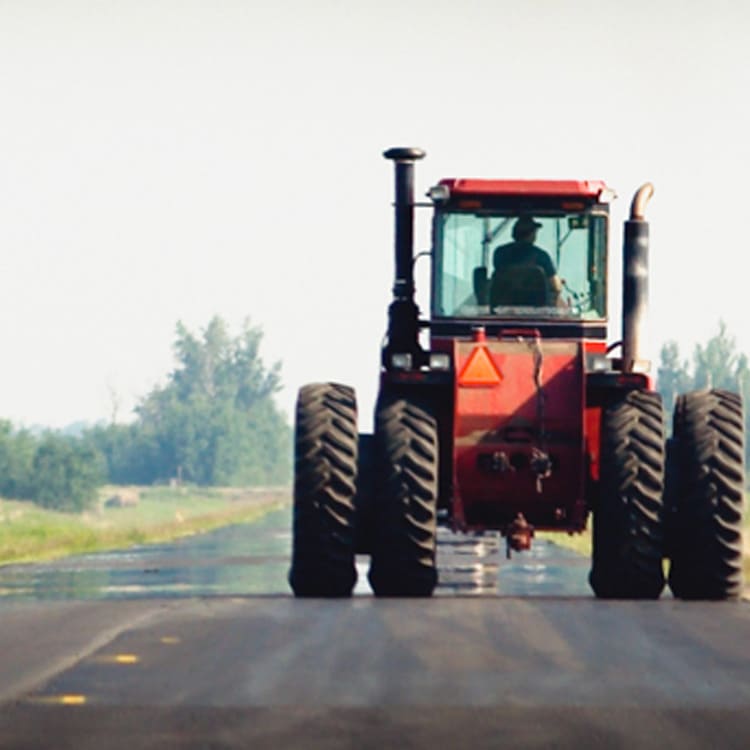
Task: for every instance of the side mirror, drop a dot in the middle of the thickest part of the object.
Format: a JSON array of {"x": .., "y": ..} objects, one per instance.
[{"x": 481, "y": 285}]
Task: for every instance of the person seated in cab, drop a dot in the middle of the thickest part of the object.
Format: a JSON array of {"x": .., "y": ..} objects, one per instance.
[{"x": 524, "y": 274}]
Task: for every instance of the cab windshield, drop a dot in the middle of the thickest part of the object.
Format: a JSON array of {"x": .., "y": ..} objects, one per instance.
[{"x": 520, "y": 265}]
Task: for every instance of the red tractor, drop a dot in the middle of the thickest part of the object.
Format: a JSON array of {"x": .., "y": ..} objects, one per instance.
[{"x": 506, "y": 410}]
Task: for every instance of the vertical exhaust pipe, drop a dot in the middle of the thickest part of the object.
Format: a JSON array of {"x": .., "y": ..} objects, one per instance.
[
  {"x": 635, "y": 277},
  {"x": 402, "y": 313}
]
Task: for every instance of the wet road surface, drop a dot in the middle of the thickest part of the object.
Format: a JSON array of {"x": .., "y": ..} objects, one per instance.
[
  {"x": 253, "y": 560},
  {"x": 200, "y": 645}
]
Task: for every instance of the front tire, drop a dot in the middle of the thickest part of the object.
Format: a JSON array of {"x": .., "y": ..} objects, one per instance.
[
  {"x": 709, "y": 496},
  {"x": 406, "y": 454},
  {"x": 628, "y": 538},
  {"x": 325, "y": 476}
]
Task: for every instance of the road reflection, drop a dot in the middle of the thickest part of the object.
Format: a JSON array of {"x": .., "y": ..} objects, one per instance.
[{"x": 253, "y": 559}]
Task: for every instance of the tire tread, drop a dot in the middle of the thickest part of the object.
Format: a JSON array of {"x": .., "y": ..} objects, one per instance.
[
  {"x": 325, "y": 477},
  {"x": 406, "y": 455},
  {"x": 628, "y": 519},
  {"x": 709, "y": 501}
]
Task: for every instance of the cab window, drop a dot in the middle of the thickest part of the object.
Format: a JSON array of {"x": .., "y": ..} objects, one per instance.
[{"x": 520, "y": 265}]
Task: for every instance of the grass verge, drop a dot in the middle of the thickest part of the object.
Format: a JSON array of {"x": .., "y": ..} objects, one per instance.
[
  {"x": 30, "y": 533},
  {"x": 580, "y": 543}
]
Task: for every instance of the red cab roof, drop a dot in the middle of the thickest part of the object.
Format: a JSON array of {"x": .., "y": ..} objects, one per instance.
[{"x": 538, "y": 188}]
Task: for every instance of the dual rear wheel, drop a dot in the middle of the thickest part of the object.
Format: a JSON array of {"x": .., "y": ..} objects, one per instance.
[
  {"x": 688, "y": 508},
  {"x": 402, "y": 460}
]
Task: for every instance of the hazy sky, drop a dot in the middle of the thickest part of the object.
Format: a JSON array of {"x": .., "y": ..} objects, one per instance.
[{"x": 172, "y": 160}]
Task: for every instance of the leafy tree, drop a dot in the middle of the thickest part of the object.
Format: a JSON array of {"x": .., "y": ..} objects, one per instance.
[
  {"x": 65, "y": 473},
  {"x": 213, "y": 422},
  {"x": 718, "y": 364},
  {"x": 129, "y": 453},
  {"x": 715, "y": 364},
  {"x": 55, "y": 470},
  {"x": 673, "y": 375},
  {"x": 16, "y": 457}
]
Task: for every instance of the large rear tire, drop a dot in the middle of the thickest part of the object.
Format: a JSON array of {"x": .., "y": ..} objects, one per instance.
[
  {"x": 325, "y": 476},
  {"x": 406, "y": 487},
  {"x": 628, "y": 539},
  {"x": 709, "y": 443}
]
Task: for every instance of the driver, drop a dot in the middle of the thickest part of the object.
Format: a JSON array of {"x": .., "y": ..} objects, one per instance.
[{"x": 523, "y": 252}]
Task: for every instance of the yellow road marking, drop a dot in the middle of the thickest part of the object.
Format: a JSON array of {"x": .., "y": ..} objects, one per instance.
[
  {"x": 127, "y": 659},
  {"x": 72, "y": 700},
  {"x": 60, "y": 700},
  {"x": 170, "y": 639},
  {"x": 118, "y": 659}
]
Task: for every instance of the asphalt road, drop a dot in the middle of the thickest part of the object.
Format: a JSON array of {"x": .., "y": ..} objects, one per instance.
[{"x": 494, "y": 660}]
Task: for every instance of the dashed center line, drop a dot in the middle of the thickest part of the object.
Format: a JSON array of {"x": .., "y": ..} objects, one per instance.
[
  {"x": 118, "y": 658},
  {"x": 59, "y": 700}
]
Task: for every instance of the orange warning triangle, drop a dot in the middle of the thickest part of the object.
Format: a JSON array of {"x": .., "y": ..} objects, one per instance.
[{"x": 480, "y": 369}]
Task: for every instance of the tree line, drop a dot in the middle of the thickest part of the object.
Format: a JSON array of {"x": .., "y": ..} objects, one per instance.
[
  {"x": 214, "y": 422},
  {"x": 54, "y": 470},
  {"x": 716, "y": 364}
]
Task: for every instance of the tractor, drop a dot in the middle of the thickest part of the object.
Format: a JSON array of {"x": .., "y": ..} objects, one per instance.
[{"x": 508, "y": 411}]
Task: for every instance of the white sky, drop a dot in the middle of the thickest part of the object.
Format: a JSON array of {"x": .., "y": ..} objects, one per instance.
[{"x": 166, "y": 160}]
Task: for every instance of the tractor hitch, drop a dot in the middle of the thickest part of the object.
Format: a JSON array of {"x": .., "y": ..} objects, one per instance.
[{"x": 518, "y": 535}]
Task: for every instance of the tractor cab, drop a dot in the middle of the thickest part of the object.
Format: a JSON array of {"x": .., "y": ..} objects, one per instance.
[{"x": 520, "y": 249}]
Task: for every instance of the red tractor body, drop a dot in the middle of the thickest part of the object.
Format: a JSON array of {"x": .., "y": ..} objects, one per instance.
[
  {"x": 476, "y": 191},
  {"x": 517, "y": 401},
  {"x": 518, "y": 416}
]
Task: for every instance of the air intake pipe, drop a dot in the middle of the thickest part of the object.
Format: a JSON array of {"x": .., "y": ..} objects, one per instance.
[
  {"x": 403, "y": 325},
  {"x": 635, "y": 277}
]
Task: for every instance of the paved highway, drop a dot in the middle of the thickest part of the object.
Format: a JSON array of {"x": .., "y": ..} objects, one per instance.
[{"x": 163, "y": 648}]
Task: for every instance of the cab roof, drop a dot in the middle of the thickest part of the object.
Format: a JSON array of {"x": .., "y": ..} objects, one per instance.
[{"x": 586, "y": 189}]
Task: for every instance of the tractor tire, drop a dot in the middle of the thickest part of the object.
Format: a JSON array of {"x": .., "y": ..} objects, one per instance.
[
  {"x": 628, "y": 538},
  {"x": 405, "y": 509},
  {"x": 325, "y": 477},
  {"x": 709, "y": 494}
]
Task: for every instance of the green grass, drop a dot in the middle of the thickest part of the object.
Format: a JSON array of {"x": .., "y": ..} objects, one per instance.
[
  {"x": 580, "y": 543},
  {"x": 30, "y": 533}
]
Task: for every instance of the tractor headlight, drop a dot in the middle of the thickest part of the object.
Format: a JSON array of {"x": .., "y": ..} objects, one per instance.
[
  {"x": 598, "y": 363},
  {"x": 440, "y": 361},
  {"x": 401, "y": 361}
]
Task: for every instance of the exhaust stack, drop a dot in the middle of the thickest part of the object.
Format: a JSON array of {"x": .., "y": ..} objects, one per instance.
[
  {"x": 403, "y": 326},
  {"x": 635, "y": 277}
]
